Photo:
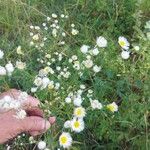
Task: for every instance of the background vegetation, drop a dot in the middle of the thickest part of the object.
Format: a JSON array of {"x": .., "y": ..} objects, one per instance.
[{"x": 130, "y": 127}]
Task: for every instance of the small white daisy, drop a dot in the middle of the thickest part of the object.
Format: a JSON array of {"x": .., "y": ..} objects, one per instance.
[
  {"x": 113, "y": 107},
  {"x": 41, "y": 145},
  {"x": 101, "y": 42},
  {"x": 65, "y": 140},
  {"x": 84, "y": 49},
  {"x": 79, "y": 112},
  {"x": 77, "y": 125},
  {"x": 95, "y": 104},
  {"x": 125, "y": 54},
  {"x": 123, "y": 42},
  {"x": 2, "y": 71},
  {"x": 96, "y": 69},
  {"x": 1, "y": 54}
]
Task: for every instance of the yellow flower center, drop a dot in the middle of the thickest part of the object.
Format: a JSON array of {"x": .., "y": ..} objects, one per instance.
[
  {"x": 122, "y": 43},
  {"x": 63, "y": 139},
  {"x": 111, "y": 107},
  {"x": 76, "y": 124},
  {"x": 79, "y": 112}
]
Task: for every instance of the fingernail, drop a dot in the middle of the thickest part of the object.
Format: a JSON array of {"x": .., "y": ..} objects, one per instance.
[
  {"x": 52, "y": 120},
  {"x": 46, "y": 125}
]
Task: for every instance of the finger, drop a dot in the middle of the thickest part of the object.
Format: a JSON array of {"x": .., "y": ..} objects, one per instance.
[
  {"x": 34, "y": 111},
  {"x": 52, "y": 120},
  {"x": 34, "y": 123},
  {"x": 35, "y": 133},
  {"x": 31, "y": 101}
]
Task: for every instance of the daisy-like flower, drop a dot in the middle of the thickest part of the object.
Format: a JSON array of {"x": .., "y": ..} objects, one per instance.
[
  {"x": 113, "y": 107},
  {"x": 68, "y": 100},
  {"x": 67, "y": 124},
  {"x": 95, "y": 104},
  {"x": 125, "y": 54},
  {"x": 79, "y": 112},
  {"x": 123, "y": 42},
  {"x": 41, "y": 145},
  {"x": 84, "y": 48},
  {"x": 77, "y": 125},
  {"x": 77, "y": 100},
  {"x": 1, "y": 54},
  {"x": 96, "y": 69},
  {"x": 101, "y": 42},
  {"x": 19, "y": 51},
  {"x": 88, "y": 63},
  {"x": 38, "y": 81},
  {"x": 36, "y": 37},
  {"x": 2, "y": 71},
  {"x": 9, "y": 68},
  {"x": 74, "y": 32},
  {"x": 20, "y": 65},
  {"x": 65, "y": 140}
]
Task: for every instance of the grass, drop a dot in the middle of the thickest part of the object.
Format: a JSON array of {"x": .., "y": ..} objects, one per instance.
[{"x": 130, "y": 127}]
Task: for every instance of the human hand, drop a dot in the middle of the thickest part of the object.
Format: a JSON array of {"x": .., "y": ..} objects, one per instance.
[{"x": 34, "y": 123}]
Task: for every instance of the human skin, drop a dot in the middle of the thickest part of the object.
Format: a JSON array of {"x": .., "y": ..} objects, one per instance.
[{"x": 33, "y": 124}]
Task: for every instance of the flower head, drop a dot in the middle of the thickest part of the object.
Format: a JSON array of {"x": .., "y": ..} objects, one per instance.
[
  {"x": 65, "y": 140},
  {"x": 79, "y": 112},
  {"x": 113, "y": 107},
  {"x": 77, "y": 125},
  {"x": 125, "y": 54},
  {"x": 123, "y": 42},
  {"x": 101, "y": 42},
  {"x": 1, "y": 54}
]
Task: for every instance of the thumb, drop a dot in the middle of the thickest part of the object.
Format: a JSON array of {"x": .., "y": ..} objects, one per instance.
[{"x": 34, "y": 123}]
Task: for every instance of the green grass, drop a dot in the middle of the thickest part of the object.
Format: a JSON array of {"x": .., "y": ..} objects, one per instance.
[{"x": 130, "y": 127}]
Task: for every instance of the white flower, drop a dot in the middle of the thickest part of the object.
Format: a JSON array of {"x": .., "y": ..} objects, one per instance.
[
  {"x": 95, "y": 104},
  {"x": 20, "y": 65},
  {"x": 82, "y": 86},
  {"x": 88, "y": 63},
  {"x": 77, "y": 101},
  {"x": 84, "y": 49},
  {"x": 74, "y": 32},
  {"x": 68, "y": 100},
  {"x": 101, "y": 42},
  {"x": 21, "y": 114},
  {"x": 113, "y": 107},
  {"x": 57, "y": 86},
  {"x": 79, "y": 112},
  {"x": 137, "y": 48},
  {"x": 96, "y": 69},
  {"x": 9, "y": 68},
  {"x": 19, "y": 51},
  {"x": 33, "y": 89},
  {"x": 1, "y": 54},
  {"x": 77, "y": 125},
  {"x": 62, "y": 15},
  {"x": 2, "y": 71},
  {"x": 65, "y": 140},
  {"x": 35, "y": 37},
  {"x": 37, "y": 28},
  {"x": 48, "y": 18},
  {"x": 123, "y": 42},
  {"x": 125, "y": 54},
  {"x": 45, "y": 82},
  {"x": 41, "y": 145},
  {"x": 74, "y": 57},
  {"x": 95, "y": 51},
  {"x": 54, "y": 32},
  {"x": 67, "y": 124},
  {"x": 54, "y": 15},
  {"x": 38, "y": 81},
  {"x": 51, "y": 85}
]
